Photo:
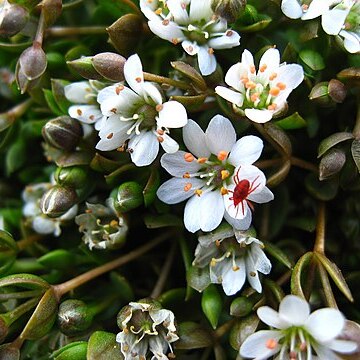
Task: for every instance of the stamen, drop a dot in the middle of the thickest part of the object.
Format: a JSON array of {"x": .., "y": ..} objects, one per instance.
[
  {"x": 224, "y": 191},
  {"x": 186, "y": 175},
  {"x": 113, "y": 110},
  {"x": 274, "y": 91},
  {"x": 91, "y": 117},
  {"x": 119, "y": 88},
  {"x": 272, "y": 107},
  {"x": 158, "y": 11},
  {"x": 252, "y": 69},
  {"x": 250, "y": 85},
  {"x": 210, "y": 51},
  {"x": 229, "y": 33},
  {"x": 254, "y": 97},
  {"x": 202, "y": 160},
  {"x": 165, "y": 22},
  {"x": 271, "y": 344},
  {"x": 188, "y": 157},
  {"x": 244, "y": 79},
  {"x": 198, "y": 192},
  {"x": 305, "y": 7},
  {"x": 222, "y": 155},
  {"x": 281, "y": 85},
  {"x": 272, "y": 76},
  {"x": 160, "y": 131},
  {"x": 224, "y": 174},
  {"x": 183, "y": 6},
  {"x": 175, "y": 41},
  {"x": 252, "y": 273},
  {"x": 234, "y": 266},
  {"x": 114, "y": 223},
  {"x": 158, "y": 107},
  {"x": 138, "y": 79},
  {"x": 160, "y": 139},
  {"x": 217, "y": 242},
  {"x": 187, "y": 187},
  {"x": 79, "y": 112},
  {"x": 109, "y": 136},
  {"x": 263, "y": 68}
]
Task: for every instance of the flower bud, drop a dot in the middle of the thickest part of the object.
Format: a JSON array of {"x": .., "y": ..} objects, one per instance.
[
  {"x": 74, "y": 317},
  {"x": 228, "y": 9},
  {"x": 337, "y": 90},
  {"x": 13, "y": 18},
  {"x": 74, "y": 176},
  {"x": 33, "y": 61},
  {"x": 62, "y": 132},
  {"x": 109, "y": 65},
  {"x": 85, "y": 68},
  {"x": 241, "y": 306},
  {"x": 331, "y": 163},
  {"x": 129, "y": 196},
  {"x": 328, "y": 93},
  {"x": 57, "y": 201}
]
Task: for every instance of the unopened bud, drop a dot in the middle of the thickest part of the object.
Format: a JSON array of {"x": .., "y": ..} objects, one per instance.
[
  {"x": 129, "y": 196},
  {"x": 109, "y": 65},
  {"x": 337, "y": 90},
  {"x": 57, "y": 201},
  {"x": 331, "y": 163},
  {"x": 51, "y": 10},
  {"x": 74, "y": 317},
  {"x": 62, "y": 133},
  {"x": 33, "y": 61},
  {"x": 74, "y": 176},
  {"x": 320, "y": 94},
  {"x": 6, "y": 119},
  {"x": 85, "y": 68},
  {"x": 228, "y": 9},
  {"x": 13, "y": 19},
  {"x": 241, "y": 306}
]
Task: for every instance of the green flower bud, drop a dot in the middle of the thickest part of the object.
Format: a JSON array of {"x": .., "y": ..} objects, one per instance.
[
  {"x": 57, "y": 201},
  {"x": 129, "y": 196},
  {"x": 109, "y": 65},
  {"x": 85, "y": 67},
  {"x": 62, "y": 133},
  {"x": 331, "y": 163},
  {"x": 13, "y": 18},
  {"x": 33, "y": 61},
  {"x": 228, "y": 9},
  {"x": 241, "y": 306},
  {"x": 74, "y": 317},
  {"x": 75, "y": 176}
]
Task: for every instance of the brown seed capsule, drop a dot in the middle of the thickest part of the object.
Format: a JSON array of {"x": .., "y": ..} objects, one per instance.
[{"x": 109, "y": 65}]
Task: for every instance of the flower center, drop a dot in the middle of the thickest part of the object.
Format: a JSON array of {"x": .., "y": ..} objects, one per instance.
[{"x": 147, "y": 115}]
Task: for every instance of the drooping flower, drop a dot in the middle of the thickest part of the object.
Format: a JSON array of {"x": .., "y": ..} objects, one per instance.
[
  {"x": 83, "y": 94},
  {"x": 260, "y": 95},
  {"x": 300, "y": 334},
  {"x": 296, "y": 9},
  {"x": 146, "y": 328},
  {"x": 139, "y": 115},
  {"x": 103, "y": 228},
  {"x": 194, "y": 24},
  {"x": 232, "y": 256},
  {"x": 41, "y": 223},
  {"x": 216, "y": 176}
]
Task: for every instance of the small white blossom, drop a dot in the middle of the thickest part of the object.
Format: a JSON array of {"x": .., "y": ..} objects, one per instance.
[
  {"x": 146, "y": 327},
  {"x": 86, "y": 110},
  {"x": 232, "y": 256},
  {"x": 216, "y": 176},
  {"x": 139, "y": 115},
  {"x": 299, "y": 335},
  {"x": 41, "y": 223},
  {"x": 261, "y": 94},
  {"x": 194, "y": 24},
  {"x": 296, "y": 9}
]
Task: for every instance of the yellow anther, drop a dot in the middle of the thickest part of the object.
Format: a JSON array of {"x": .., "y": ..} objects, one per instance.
[
  {"x": 198, "y": 192},
  {"x": 224, "y": 174},
  {"x": 217, "y": 242},
  {"x": 222, "y": 155},
  {"x": 114, "y": 223},
  {"x": 158, "y": 11},
  {"x": 213, "y": 262},
  {"x": 186, "y": 175},
  {"x": 224, "y": 191}
]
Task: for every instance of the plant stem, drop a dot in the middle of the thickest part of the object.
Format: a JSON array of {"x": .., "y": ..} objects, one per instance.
[
  {"x": 12, "y": 316},
  {"x": 69, "y": 285},
  {"x": 224, "y": 329},
  {"x": 29, "y": 240},
  {"x": 164, "y": 273},
  {"x": 319, "y": 245},
  {"x": 59, "y": 31},
  {"x": 165, "y": 80},
  {"x": 304, "y": 164}
]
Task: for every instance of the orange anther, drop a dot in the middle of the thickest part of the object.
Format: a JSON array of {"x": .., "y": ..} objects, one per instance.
[
  {"x": 217, "y": 242},
  {"x": 183, "y": 6},
  {"x": 272, "y": 76},
  {"x": 160, "y": 131},
  {"x": 113, "y": 110},
  {"x": 263, "y": 68},
  {"x": 222, "y": 155},
  {"x": 186, "y": 175},
  {"x": 271, "y": 344},
  {"x": 138, "y": 79},
  {"x": 229, "y": 33},
  {"x": 250, "y": 85},
  {"x": 274, "y": 91},
  {"x": 281, "y": 86},
  {"x": 119, "y": 88},
  {"x": 272, "y": 107},
  {"x": 165, "y": 22},
  {"x": 158, "y": 107},
  {"x": 202, "y": 160},
  {"x": 244, "y": 79},
  {"x": 79, "y": 112},
  {"x": 91, "y": 117},
  {"x": 110, "y": 136},
  {"x": 210, "y": 50},
  {"x": 252, "y": 69},
  {"x": 188, "y": 157},
  {"x": 254, "y": 97},
  {"x": 175, "y": 41},
  {"x": 305, "y": 7},
  {"x": 187, "y": 186},
  {"x": 160, "y": 139},
  {"x": 235, "y": 268}
]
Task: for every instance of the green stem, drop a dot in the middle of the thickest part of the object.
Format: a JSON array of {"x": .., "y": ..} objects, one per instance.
[
  {"x": 224, "y": 329},
  {"x": 20, "y": 294},
  {"x": 58, "y": 31},
  {"x": 29, "y": 240},
  {"x": 165, "y": 80},
  {"x": 319, "y": 245},
  {"x": 304, "y": 164},
  {"x": 69, "y": 285}
]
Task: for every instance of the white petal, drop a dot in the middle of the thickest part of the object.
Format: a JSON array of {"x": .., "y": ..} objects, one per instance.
[
  {"x": 229, "y": 40},
  {"x": 342, "y": 346},
  {"x": 255, "y": 345},
  {"x": 172, "y": 115},
  {"x": 107, "y": 144},
  {"x": 143, "y": 148},
  {"x": 179, "y": 13},
  {"x": 291, "y": 75},
  {"x": 117, "y": 90},
  {"x": 87, "y": 114},
  {"x": 316, "y": 8},
  {"x": 251, "y": 173},
  {"x": 113, "y": 124},
  {"x": 262, "y": 263},
  {"x": 270, "y": 58},
  {"x": 351, "y": 41},
  {"x": 148, "y": 9},
  {"x": 230, "y": 95},
  {"x": 212, "y": 210},
  {"x": 153, "y": 92},
  {"x": 220, "y": 135},
  {"x": 233, "y": 76},
  {"x": 176, "y": 165},
  {"x": 169, "y": 144},
  {"x": 200, "y": 10},
  {"x": 325, "y": 324},
  {"x": 192, "y": 213},
  {"x": 324, "y": 353},
  {"x": 194, "y": 139},
  {"x": 44, "y": 225},
  {"x": 294, "y": 310},
  {"x": 264, "y": 196},
  {"x": 233, "y": 281},
  {"x": 172, "y": 191},
  {"x": 170, "y": 32},
  {"x": 240, "y": 211},
  {"x": 133, "y": 73},
  {"x": 239, "y": 224},
  {"x": 206, "y": 60},
  {"x": 246, "y": 150},
  {"x": 259, "y": 116},
  {"x": 78, "y": 92},
  {"x": 252, "y": 275},
  {"x": 333, "y": 21},
  {"x": 271, "y": 317},
  {"x": 247, "y": 59},
  {"x": 191, "y": 47},
  {"x": 291, "y": 8}
]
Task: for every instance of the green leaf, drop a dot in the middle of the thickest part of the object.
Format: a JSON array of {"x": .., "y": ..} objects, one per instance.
[
  {"x": 322, "y": 190},
  {"x": 103, "y": 346},
  {"x": 278, "y": 254},
  {"x": 355, "y": 152},
  {"x": 193, "y": 336},
  {"x": 57, "y": 87},
  {"x": 211, "y": 304},
  {"x": 16, "y": 156},
  {"x": 313, "y": 59},
  {"x": 123, "y": 286},
  {"x": 294, "y": 121},
  {"x": 27, "y": 281},
  {"x": 8, "y": 251},
  {"x": 242, "y": 329},
  {"x": 258, "y": 26},
  {"x": 50, "y": 100},
  {"x": 57, "y": 259},
  {"x": 332, "y": 140},
  {"x": 279, "y": 136},
  {"x": 197, "y": 278},
  {"x": 74, "y": 351},
  {"x": 159, "y": 221},
  {"x": 303, "y": 262},
  {"x": 336, "y": 275}
]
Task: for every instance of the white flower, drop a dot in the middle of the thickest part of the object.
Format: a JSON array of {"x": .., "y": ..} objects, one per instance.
[
  {"x": 216, "y": 176},
  {"x": 194, "y": 24},
  {"x": 299, "y": 333},
  {"x": 86, "y": 110},
  {"x": 343, "y": 20},
  {"x": 41, "y": 223},
  {"x": 296, "y": 9},
  {"x": 232, "y": 256},
  {"x": 260, "y": 95},
  {"x": 138, "y": 114},
  {"x": 146, "y": 327}
]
